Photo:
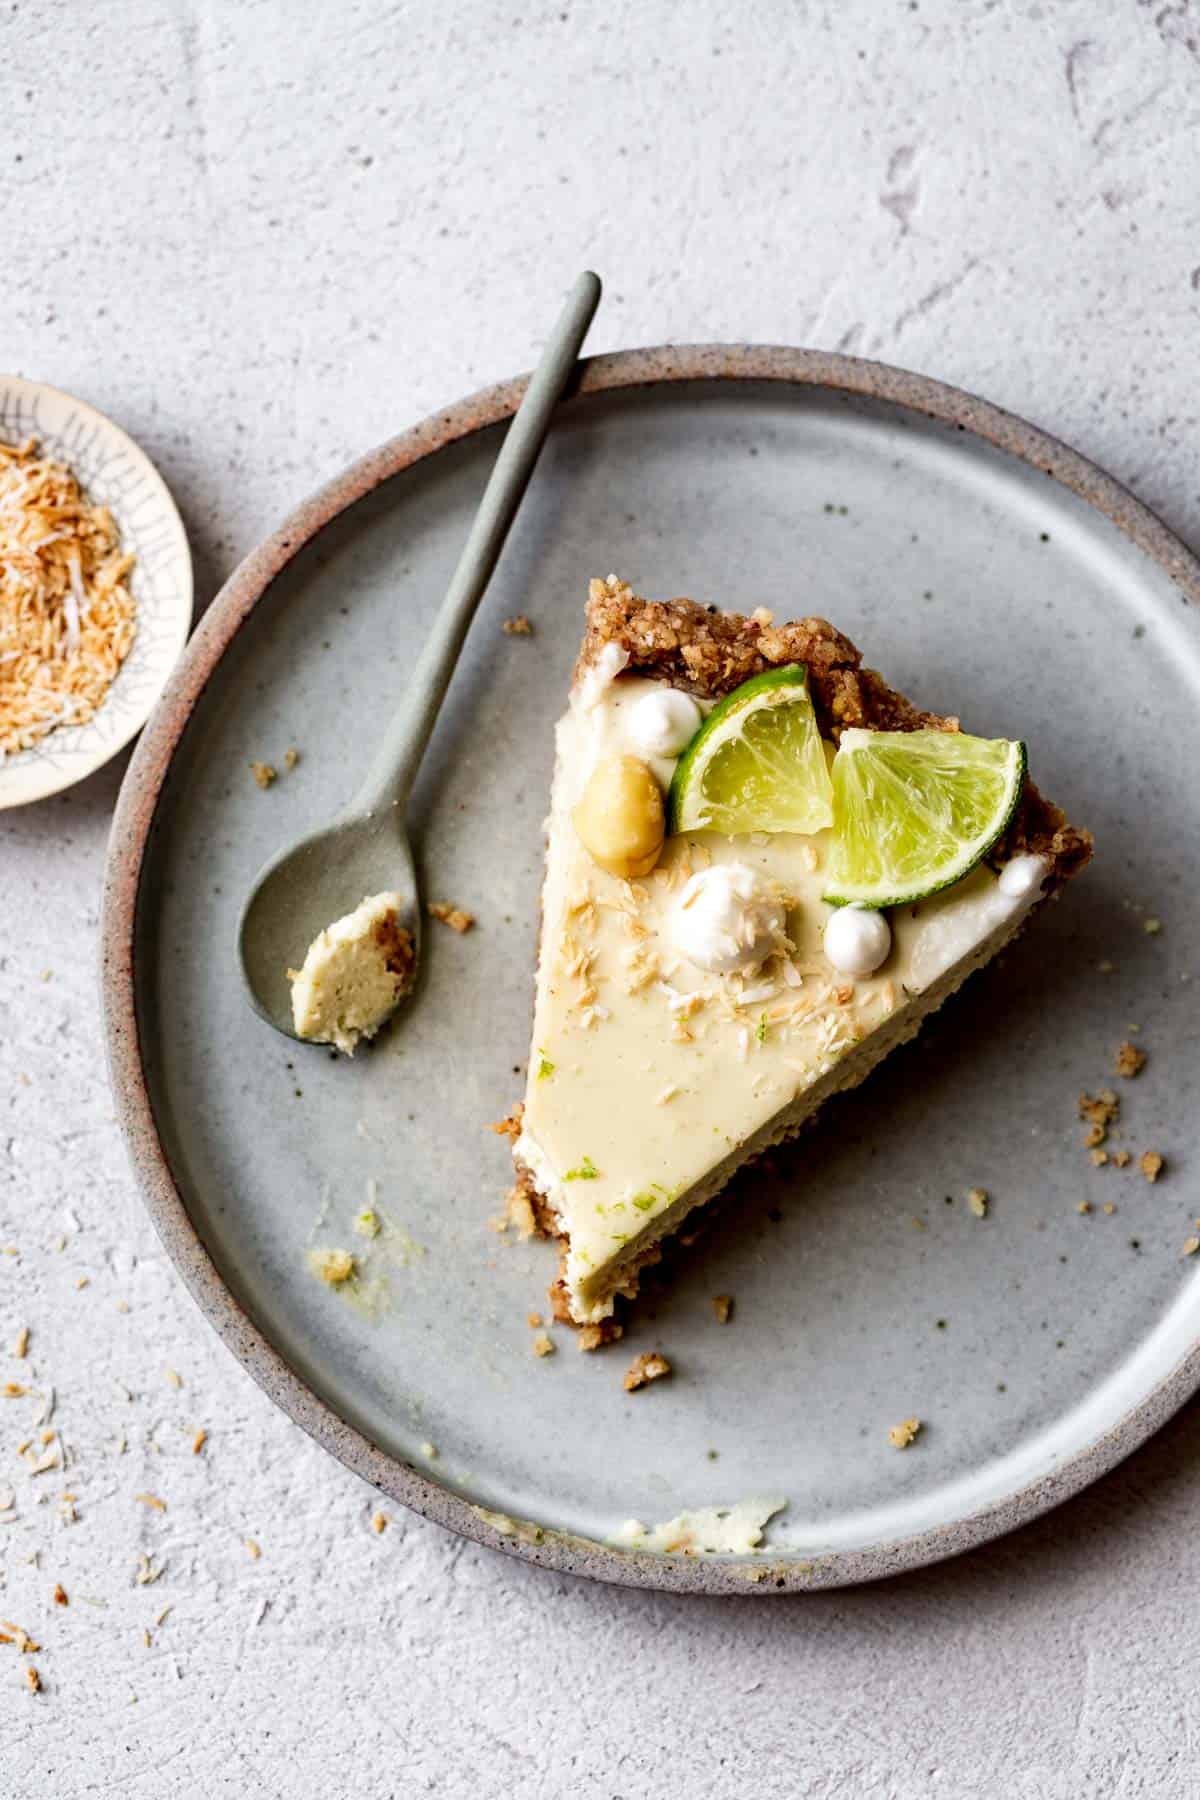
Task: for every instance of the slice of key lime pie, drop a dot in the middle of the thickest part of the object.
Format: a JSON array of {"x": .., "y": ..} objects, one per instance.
[{"x": 764, "y": 869}]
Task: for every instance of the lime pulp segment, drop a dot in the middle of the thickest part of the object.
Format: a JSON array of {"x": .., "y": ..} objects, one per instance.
[
  {"x": 756, "y": 764},
  {"x": 914, "y": 811}
]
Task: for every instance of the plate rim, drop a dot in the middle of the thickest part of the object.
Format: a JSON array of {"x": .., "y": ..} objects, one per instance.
[
  {"x": 137, "y": 715},
  {"x": 137, "y": 804}
]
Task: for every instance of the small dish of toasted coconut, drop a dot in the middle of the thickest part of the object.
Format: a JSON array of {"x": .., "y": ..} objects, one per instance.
[{"x": 95, "y": 589}]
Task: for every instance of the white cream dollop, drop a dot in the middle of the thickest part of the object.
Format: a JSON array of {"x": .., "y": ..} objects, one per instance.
[
  {"x": 857, "y": 940},
  {"x": 728, "y": 918},
  {"x": 663, "y": 722},
  {"x": 1022, "y": 876}
]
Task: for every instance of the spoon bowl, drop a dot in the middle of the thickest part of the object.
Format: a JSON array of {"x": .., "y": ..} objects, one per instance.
[{"x": 365, "y": 851}]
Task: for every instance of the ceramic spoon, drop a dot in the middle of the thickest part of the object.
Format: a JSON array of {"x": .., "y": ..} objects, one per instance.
[{"x": 365, "y": 850}]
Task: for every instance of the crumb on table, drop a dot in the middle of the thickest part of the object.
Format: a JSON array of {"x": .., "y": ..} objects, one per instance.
[
  {"x": 1151, "y": 1164},
  {"x": 1191, "y": 1245},
  {"x": 264, "y": 773},
  {"x": 1129, "y": 1060},
  {"x": 543, "y": 1344},
  {"x": 1083, "y": 1206},
  {"x": 534, "y": 1319},
  {"x": 456, "y": 917},
  {"x": 901, "y": 1436},
  {"x": 1099, "y": 1157},
  {"x": 290, "y": 758},
  {"x": 1121, "y": 1158},
  {"x": 723, "y": 1307},
  {"x": 517, "y": 627},
  {"x": 977, "y": 1200},
  {"x": 651, "y": 1365}
]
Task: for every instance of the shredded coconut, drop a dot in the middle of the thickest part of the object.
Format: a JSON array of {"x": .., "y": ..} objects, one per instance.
[{"x": 67, "y": 617}]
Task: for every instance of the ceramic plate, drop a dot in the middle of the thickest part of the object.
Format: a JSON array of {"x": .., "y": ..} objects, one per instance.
[
  {"x": 116, "y": 474},
  {"x": 992, "y": 573}
]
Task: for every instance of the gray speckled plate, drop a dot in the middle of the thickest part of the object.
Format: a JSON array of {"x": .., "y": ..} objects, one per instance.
[
  {"x": 1038, "y": 1345},
  {"x": 118, "y": 474}
]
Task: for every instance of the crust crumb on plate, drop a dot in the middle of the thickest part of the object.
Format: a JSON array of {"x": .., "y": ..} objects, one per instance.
[
  {"x": 595, "y": 1337},
  {"x": 722, "y": 1305},
  {"x": 510, "y": 1125},
  {"x": 456, "y": 917},
  {"x": 1129, "y": 1060},
  {"x": 1151, "y": 1164},
  {"x": 519, "y": 626},
  {"x": 901, "y": 1436},
  {"x": 543, "y": 1345},
  {"x": 651, "y": 1365},
  {"x": 1101, "y": 1108}
]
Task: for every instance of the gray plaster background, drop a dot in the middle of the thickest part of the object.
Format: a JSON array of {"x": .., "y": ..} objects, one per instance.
[{"x": 263, "y": 237}]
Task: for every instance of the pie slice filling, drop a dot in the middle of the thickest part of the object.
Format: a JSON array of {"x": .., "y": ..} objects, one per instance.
[{"x": 688, "y": 1015}]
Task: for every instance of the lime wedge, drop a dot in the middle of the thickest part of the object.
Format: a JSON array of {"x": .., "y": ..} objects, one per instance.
[
  {"x": 914, "y": 811},
  {"x": 756, "y": 763}
]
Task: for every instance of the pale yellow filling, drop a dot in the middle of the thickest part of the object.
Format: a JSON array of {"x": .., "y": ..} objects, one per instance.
[
  {"x": 651, "y": 1080},
  {"x": 345, "y": 990}
]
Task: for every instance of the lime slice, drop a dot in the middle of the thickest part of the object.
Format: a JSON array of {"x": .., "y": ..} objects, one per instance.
[
  {"x": 756, "y": 763},
  {"x": 914, "y": 811}
]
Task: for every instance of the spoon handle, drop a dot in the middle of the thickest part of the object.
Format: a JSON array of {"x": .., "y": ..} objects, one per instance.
[{"x": 394, "y": 769}]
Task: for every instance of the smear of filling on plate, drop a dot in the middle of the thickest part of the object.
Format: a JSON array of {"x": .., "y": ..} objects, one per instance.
[{"x": 67, "y": 616}]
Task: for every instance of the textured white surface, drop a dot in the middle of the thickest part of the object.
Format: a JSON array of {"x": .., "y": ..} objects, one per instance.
[{"x": 263, "y": 237}]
